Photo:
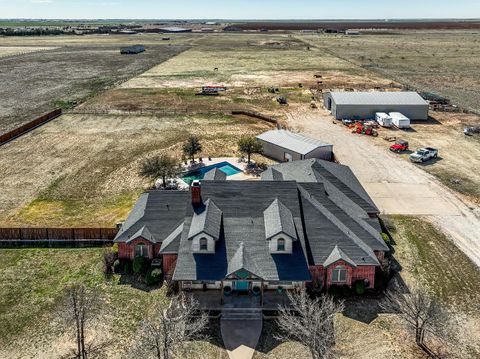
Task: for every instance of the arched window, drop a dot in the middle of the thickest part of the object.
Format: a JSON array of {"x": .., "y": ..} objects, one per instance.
[
  {"x": 339, "y": 275},
  {"x": 203, "y": 244},
  {"x": 281, "y": 245},
  {"x": 141, "y": 250}
]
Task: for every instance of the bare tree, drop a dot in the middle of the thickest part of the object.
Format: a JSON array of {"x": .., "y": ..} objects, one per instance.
[
  {"x": 310, "y": 321},
  {"x": 80, "y": 308},
  {"x": 421, "y": 313},
  {"x": 165, "y": 332}
]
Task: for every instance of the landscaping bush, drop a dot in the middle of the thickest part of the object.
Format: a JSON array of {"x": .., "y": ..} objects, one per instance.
[
  {"x": 346, "y": 291},
  {"x": 360, "y": 287},
  {"x": 139, "y": 265},
  {"x": 335, "y": 290},
  {"x": 115, "y": 248},
  {"x": 385, "y": 237},
  {"x": 127, "y": 268},
  {"x": 154, "y": 276},
  {"x": 117, "y": 266}
]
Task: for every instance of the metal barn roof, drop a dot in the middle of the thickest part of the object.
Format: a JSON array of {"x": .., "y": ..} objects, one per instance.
[
  {"x": 377, "y": 98},
  {"x": 292, "y": 141}
]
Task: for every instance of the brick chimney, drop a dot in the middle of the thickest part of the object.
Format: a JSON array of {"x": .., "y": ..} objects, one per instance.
[{"x": 196, "y": 191}]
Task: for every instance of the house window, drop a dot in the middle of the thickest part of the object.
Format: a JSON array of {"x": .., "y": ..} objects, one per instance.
[
  {"x": 141, "y": 250},
  {"x": 203, "y": 244},
  {"x": 281, "y": 245},
  {"x": 339, "y": 275}
]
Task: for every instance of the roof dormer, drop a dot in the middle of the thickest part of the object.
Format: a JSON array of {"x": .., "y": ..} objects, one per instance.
[
  {"x": 279, "y": 228},
  {"x": 205, "y": 227}
]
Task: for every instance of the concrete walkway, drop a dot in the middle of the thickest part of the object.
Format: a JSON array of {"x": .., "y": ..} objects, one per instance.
[{"x": 241, "y": 330}]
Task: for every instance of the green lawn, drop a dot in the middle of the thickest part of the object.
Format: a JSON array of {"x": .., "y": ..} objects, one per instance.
[{"x": 427, "y": 255}]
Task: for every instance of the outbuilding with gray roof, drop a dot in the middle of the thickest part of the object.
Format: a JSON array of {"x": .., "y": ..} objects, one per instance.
[
  {"x": 286, "y": 146},
  {"x": 364, "y": 105}
]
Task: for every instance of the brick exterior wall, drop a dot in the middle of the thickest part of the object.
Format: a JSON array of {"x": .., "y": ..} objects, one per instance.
[
  {"x": 323, "y": 276},
  {"x": 127, "y": 250},
  {"x": 364, "y": 272},
  {"x": 333, "y": 266},
  {"x": 169, "y": 262}
]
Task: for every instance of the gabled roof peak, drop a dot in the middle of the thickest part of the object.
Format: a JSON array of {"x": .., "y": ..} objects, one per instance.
[
  {"x": 144, "y": 233},
  {"x": 207, "y": 220},
  {"x": 279, "y": 219},
  {"x": 336, "y": 255}
]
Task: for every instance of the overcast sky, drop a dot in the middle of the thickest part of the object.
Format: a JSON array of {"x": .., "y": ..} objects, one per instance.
[{"x": 239, "y": 9}]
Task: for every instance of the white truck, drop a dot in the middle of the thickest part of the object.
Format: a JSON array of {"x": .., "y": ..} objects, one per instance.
[
  {"x": 383, "y": 119},
  {"x": 400, "y": 120},
  {"x": 424, "y": 154}
]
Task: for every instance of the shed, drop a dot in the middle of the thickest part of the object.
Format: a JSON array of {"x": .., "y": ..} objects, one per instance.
[
  {"x": 135, "y": 49},
  {"x": 286, "y": 146},
  {"x": 364, "y": 105}
]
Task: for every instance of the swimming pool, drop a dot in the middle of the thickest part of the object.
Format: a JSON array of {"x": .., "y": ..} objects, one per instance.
[{"x": 199, "y": 173}]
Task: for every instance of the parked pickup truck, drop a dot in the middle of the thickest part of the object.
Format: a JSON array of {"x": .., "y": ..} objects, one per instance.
[{"x": 424, "y": 154}]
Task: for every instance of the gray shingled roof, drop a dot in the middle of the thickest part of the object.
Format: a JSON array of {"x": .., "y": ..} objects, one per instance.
[
  {"x": 278, "y": 219},
  {"x": 320, "y": 203},
  {"x": 336, "y": 255},
  {"x": 335, "y": 177},
  {"x": 215, "y": 174},
  {"x": 242, "y": 204},
  {"x": 159, "y": 211},
  {"x": 242, "y": 260},
  {"x": 378, "y": 98},
  {"x": 206, "y": 219},
  {"x": 292, "y": 141},
  {"x": 144, "y": 233},
  {"x": 171, "y": 243}
]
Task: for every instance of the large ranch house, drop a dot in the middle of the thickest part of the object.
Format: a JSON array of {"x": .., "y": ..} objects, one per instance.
[{"x": 305, "y": 223}]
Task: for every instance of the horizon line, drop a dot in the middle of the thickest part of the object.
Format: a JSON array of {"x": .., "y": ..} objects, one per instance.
[{"x": 240, "y": 20}]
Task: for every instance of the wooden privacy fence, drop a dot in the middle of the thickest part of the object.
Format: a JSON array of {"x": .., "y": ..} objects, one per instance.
[
  {"x": 58, "y": 234},
  {"x": 17, "y": 132}
]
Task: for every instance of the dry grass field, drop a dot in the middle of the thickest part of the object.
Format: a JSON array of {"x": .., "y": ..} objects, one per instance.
[
  {"x": 443, "y": 62},
  {"x": 6, "y": 51},
  {"x": 63, "y": 76},
  {"x": 82, "y": 168}
]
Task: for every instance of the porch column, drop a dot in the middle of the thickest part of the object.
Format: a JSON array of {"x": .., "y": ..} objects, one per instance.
[
  {"x": 221, "y": 293},
  {"x": 261, "y": 294}
]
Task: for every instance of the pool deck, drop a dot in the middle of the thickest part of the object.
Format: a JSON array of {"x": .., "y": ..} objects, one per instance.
[{"x": 234, "y": 161}]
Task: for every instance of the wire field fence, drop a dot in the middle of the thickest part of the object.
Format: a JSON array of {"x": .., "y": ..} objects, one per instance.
[{"x": 56, "y": 237}]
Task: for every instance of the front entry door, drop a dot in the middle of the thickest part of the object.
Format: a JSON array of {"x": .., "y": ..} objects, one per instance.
[{"x": 241, "y": 285}]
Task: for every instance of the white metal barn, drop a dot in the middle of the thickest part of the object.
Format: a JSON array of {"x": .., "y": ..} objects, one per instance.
[
  {"x": 286, "y": 146},
  {"x": 364, "y": 105}
]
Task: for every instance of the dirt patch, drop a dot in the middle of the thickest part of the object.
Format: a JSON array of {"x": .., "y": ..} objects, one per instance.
[
  {"x": 37, "y": 82},
  {"x": 442, "y": 62},
  {"x": 7, "y": 51}
]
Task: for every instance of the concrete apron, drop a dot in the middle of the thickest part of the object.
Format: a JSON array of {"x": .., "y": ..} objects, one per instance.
[{"x": 241, "y": 330}]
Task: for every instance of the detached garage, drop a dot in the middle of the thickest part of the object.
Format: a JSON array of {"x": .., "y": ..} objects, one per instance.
[
  {"x": 364, "y": 105},
  {"x": 286, "y": 146}
]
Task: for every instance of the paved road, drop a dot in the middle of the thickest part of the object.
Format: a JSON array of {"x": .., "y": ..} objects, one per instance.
[{"x": 396, "y": 186}]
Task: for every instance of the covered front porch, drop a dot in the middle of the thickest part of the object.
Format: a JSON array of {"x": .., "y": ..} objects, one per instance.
[{"x": 214, "y": 299}]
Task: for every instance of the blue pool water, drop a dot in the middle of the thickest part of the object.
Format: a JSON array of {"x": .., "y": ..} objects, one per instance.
[{"x": 198, "y": 174}]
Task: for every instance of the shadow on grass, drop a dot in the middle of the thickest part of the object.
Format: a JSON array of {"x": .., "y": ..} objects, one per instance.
[
  {"x": 366, "y": 309},
  {"x": 267, "y": 341},
  {"x": 137, "y": 282}
]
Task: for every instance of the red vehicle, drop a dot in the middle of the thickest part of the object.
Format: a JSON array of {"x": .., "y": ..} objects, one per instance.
[{"x": 399, "y": 146}]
